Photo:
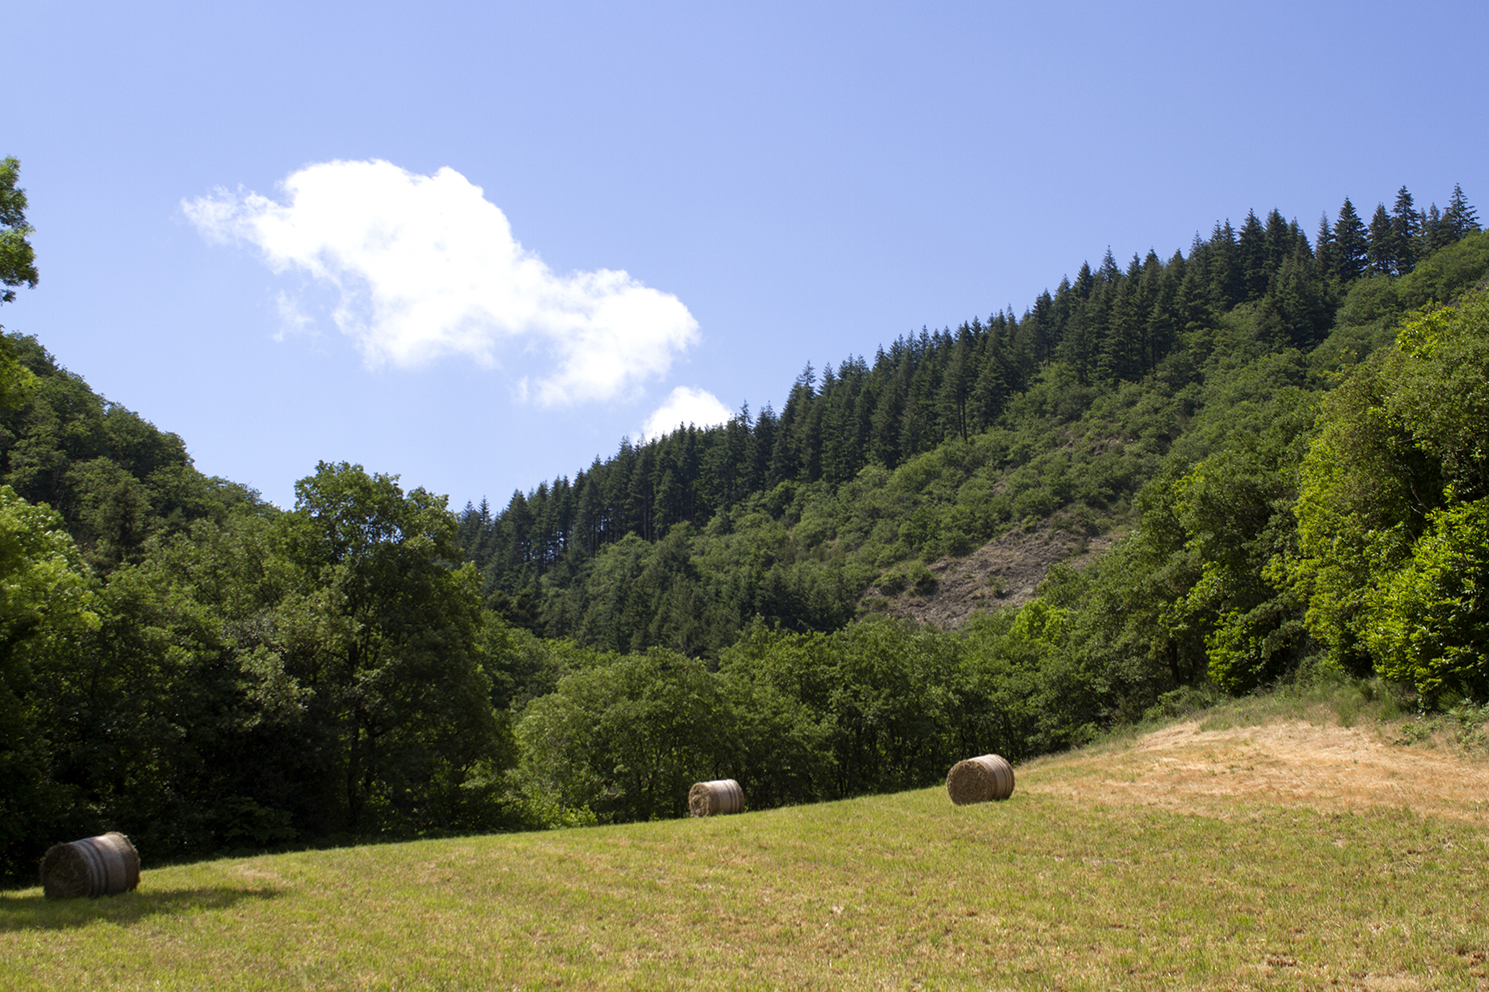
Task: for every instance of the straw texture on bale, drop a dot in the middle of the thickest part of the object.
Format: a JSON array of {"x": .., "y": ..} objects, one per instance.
[
  {"x": 715, "y": 798},
  {"x": 980, "y": 780},
  {"x": 95, "y": 866}
]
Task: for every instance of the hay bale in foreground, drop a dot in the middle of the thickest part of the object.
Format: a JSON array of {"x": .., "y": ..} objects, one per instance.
[
  {"x": 715, "y": 798},
  {"x": 92, "y": 867},
  {"x": 980, "y": 780}
]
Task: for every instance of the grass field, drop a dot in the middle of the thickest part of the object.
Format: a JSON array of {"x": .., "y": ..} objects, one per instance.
[{"x": 1222, "y": 854}]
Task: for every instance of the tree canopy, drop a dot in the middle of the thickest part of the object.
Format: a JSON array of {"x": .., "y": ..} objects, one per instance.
[{"x": 17, "y": 268}]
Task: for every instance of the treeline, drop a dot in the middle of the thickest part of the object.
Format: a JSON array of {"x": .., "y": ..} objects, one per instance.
[{"x": 552, "y": 558}]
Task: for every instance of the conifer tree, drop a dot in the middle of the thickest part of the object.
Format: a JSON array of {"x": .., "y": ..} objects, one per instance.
[
  {"x": 1405, "y": 229},
  {"x": 1109, "y": 273},
  {"x": 1382, "y": 252},
  {"x": 1252, "y": 249},
  {"x": 1064, "y": 303},
  {"x": 1280, "y": 240},
  {"x": 1435, "y": 233},
  {"x": 1163, "y": 317},
  {"x": 1122, "y": 349},
  {"x": 1460, "y": 219},
  {"x": 1041, "y": 327},
  {"x": 763, "y": 441},
  {"x": 1084, "y": 281},
  {"x": 957, "y": 381},
  {"x": 1227, "y": 287},
  {"x": 1351, "y": 244},
  {"x": 1323, "y": 248}
]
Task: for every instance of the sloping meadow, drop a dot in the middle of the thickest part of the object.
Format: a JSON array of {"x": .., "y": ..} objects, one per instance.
[{"x": 1206, "y": 855}]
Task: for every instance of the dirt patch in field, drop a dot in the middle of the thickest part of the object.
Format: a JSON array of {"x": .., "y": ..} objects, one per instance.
[{"x": 1327, "y": 767}]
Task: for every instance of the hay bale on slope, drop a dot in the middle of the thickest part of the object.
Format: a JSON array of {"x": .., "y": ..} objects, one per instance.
[
  {"x": 716, "y": 798},
  {"x": 94, "y": 866},
  {"x": 979, "y": 780}
]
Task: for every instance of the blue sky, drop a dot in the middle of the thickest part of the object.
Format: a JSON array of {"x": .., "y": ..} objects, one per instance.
[{"x": 475, "y": 244}]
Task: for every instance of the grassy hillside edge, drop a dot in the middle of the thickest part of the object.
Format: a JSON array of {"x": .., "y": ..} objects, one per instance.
[{"x": 1283, "y": 842}]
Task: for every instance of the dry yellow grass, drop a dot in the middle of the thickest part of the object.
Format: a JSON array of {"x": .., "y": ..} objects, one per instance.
[{"x": 1320, "y": 765}]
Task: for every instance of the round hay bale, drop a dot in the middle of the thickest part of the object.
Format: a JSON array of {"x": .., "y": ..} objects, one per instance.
[
  {"x": 979, "y": 780},
  {"x": 716, "y": 798},
  {"x": 94, "y": 866}
]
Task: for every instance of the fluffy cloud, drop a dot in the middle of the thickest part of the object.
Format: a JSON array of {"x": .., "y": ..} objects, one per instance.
[
  {"x": 426, "y": 267},
  {"x": 686, "y": 406}
]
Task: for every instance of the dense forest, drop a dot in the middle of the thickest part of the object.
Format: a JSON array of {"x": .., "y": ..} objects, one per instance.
[{"x": 1283, "y": 440}]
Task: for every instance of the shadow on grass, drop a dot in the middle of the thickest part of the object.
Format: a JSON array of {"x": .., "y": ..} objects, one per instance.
[{"x": 23, "y": 912}]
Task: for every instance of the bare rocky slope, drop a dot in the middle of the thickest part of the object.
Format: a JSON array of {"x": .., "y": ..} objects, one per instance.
[{"x": 1004, "y": 572}]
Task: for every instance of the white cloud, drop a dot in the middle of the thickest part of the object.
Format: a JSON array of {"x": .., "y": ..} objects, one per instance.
[
  {"x": 686, "y": 406},
  {"x": 426, "y": 267},
  {"x": 292, "y": 319}
]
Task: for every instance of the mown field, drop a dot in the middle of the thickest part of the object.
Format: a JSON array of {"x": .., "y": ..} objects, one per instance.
[{"x": 1285, "y": 850}]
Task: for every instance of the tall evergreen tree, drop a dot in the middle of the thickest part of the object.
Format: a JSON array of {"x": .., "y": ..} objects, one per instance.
[
  {"x": 1040, "y": 325},
  {"x": 1323, "y": 248},
  {"x": 1351, "y": 244},
  {"x": 1251, "y": 247},
  {"x": 1405, "y": 230},
  {"x": 1435, "y": 233},
  {"x": 1382, "y": 253},
  {"x": 1281, "y": 238},
  {"x": 1460, "y": 219},
  {"x": 957, "y": 381},
  {"x": 1227, "y": 285}
]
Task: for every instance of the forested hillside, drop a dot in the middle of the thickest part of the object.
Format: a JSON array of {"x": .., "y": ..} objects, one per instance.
[
  {"x": 1282, "y": 438},
  {"x": 950, "y": 438}
]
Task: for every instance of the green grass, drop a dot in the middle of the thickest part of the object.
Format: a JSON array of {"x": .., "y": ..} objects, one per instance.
[{"x": 896, "y": 892}]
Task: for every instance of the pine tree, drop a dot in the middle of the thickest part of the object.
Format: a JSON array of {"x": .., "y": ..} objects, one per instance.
[
  {"x": 889, "y": 408},
  {"x": 1405, "y": 229},
  {"x": 1121, "y": 357},
  {"x": 1252, "y": 251},
  {"x": 1460, "y": 219},
  {"x": 762, "y": 445},
  {"x": 1436, "y": 231},
  {"x": 1164, "y": 317},
  {"x": 957, "y": 381},
  {"x": 1065, "y": 300},
  {"x": 1382, "y": 250},
  {"x": 1226, "y": 285},
  {"x": 1351, "y": 244},
  {"x": 1282, "y": 238},
  {"x": 1039, "y": 323},
  {"x": 1323, "y": 248},
  {"x": 587, "y": 509},
  {"x": 1109, "y": 273},
  {"x": 1084, "y": 281}
]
